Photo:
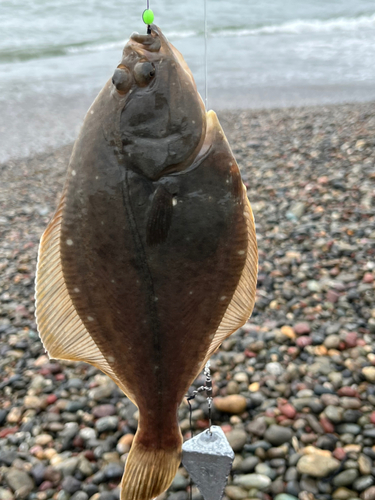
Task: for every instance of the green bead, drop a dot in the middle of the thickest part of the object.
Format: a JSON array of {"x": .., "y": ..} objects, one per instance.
[{"x": 148, "y": 16}]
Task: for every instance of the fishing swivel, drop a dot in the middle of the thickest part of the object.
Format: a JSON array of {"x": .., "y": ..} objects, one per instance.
[{"x": 204, "y": 388}]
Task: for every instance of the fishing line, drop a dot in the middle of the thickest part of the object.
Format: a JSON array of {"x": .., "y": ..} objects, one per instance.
[
  {"x": 191, "y": 435},
  {"x": 205, "y": 56},
  {"x": 148, "y": 17},
  {"x": 203, "y": 388}
]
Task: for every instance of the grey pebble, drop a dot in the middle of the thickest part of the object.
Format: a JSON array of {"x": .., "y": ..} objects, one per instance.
[
  {"x": 363, "y": 483},
  {"x": 70, "y": 484},
  {"x": 277, "y": 435}
]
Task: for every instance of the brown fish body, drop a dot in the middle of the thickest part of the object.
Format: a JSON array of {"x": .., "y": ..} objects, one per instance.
[{"x": 150, "y": 260}]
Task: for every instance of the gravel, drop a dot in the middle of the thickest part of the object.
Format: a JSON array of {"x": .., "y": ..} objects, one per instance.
[{"x": 293, "y": 389}]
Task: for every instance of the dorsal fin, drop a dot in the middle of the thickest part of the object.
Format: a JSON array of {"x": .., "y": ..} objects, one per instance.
[{"x": 60, "y": 328}]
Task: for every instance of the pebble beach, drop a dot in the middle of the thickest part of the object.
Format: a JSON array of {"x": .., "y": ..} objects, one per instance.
[{"x": 294, "y": 389}]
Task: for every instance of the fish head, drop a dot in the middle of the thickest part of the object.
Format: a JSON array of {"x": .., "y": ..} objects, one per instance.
[{"x": 163, "y": 119}]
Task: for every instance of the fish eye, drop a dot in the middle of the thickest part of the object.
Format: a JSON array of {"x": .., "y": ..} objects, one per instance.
[
  {"x": 122, "y": 79},
  {"x": 144, "y": 72}
]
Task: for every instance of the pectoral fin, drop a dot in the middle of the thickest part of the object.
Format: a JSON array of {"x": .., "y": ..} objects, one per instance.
[{"x": 160, "y": 216}]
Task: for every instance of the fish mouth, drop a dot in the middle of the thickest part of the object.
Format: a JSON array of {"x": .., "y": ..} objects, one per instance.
[{"x": 150, "y": 42}]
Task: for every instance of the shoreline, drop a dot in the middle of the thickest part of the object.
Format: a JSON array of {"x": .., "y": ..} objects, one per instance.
[{"x": 221, "y": 111}]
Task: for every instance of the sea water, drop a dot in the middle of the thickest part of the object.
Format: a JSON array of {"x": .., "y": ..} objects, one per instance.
[{"x": 55, "y": 55}]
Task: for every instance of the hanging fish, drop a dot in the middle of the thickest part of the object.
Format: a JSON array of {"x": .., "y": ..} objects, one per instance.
[{"x": 150, "y": 260}]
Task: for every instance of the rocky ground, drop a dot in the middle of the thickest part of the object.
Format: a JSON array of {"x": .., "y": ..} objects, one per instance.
[{"x": 294, "y": 388}]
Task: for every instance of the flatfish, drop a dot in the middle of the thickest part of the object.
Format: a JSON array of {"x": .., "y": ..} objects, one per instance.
[{"x": 150, "y": 260}]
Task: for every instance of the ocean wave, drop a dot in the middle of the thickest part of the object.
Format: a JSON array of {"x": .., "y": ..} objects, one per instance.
[
  {"x": 295, "y": 27},
  {"x": 299, "y": 26}
]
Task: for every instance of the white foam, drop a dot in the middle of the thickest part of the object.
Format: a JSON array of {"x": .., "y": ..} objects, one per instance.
[
  {"x": 299, "y": 26},
  {"x": 295, "y": 27}
]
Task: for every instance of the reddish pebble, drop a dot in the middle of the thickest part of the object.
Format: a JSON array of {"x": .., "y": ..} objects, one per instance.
[
  {"x": 226, "y": 428},
  {"x": 339, "y": 454},
  {"x": 342, "y": 346},
  {"x": 53, "y": 367},
  {"x": 35, "y": 449},
  {"x": 202, "y": 424},
  {"x": 293, "y": 351},
  {"x": 361, "y": 342},
  {"x": 46, "y": 485},
  {"x": 78, "y": 442},
  {"x": 281, "y": 418},
  {"x": 304, "y": 341},
  {"x": 332, "y": 296},
  {"x": 44, "y": 371},
  {"x": 372, "y": 417},
  {"x": 351, "y": 339},
  {"x": 347, "y": 391},
  {"x": 327, "y": 425},
  {"x": 302, "y": 328},
  {"x": 368, "y": 278},
  {"x": 113, "y": 485},
  {"x": 250, "y": 354},
  {"x": 9, "y": 430},
  {"x": 288, "y": 410},
  {"x": 104, "y": 410},
  {"x": 54, "y": 409},
  {"x": 51, "y": 398},
  {"x": 60, "y": 377},
  {"x": 89, "y": 454}
]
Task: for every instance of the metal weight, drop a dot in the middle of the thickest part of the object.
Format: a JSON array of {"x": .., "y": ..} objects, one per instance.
[{"x": 208, "y": 459}]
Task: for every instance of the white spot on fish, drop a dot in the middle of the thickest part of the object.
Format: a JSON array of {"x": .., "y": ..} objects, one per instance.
[
  {"x": 241, "y": 252},
  {"x": 74, "y": 172},
  {"x": 223, "y": 297},
  {"x": 111, "y": 359},
  {"x": 230, "y": 163},
  {"x": 102, "y": 223},
  {"x": 156, "y": 299},
  {"x": 112, "y": 281},
  {"x": 69, "y": 242},
  {"x": 191, "y": 292},
  {"x": 76, "y": 290},
  {"x": 193, "y": 121},
  {"x": 92, "y": 111},
  {"x": 174, "y": 201},
  {"x": 90, "y": 318},
  {"x": 97, "y": 177}
]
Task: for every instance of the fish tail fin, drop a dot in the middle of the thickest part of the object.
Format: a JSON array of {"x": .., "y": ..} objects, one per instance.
[{"x": 149, "y": 470}]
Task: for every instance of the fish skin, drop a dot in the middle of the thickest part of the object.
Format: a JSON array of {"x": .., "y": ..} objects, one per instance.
[{"x": 152, "y": 243}]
